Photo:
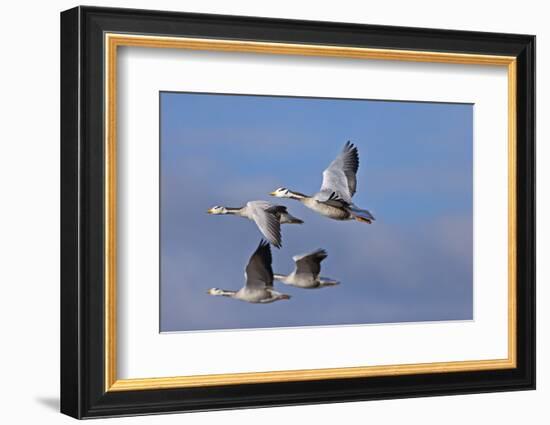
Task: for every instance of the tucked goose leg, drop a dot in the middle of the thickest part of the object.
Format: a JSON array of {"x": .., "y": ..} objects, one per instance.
[{"x": 275, "y": 296}]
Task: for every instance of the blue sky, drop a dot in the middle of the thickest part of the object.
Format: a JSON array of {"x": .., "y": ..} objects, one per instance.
[{"x": 413, "y": 264}]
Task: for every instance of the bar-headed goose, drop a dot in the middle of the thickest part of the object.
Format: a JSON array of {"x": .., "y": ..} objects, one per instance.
[
  {"x": 259, "y": 280},
  {"x": 338, "y": 187},
  {"x": 306, "y": 272},
  {"x": 268, "y": 217}
]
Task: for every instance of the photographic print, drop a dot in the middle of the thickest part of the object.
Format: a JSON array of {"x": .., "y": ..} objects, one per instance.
[{"x": 281, "y": 211}]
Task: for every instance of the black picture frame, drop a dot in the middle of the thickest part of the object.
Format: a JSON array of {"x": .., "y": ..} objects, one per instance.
[{"x": 82, "y": 219}]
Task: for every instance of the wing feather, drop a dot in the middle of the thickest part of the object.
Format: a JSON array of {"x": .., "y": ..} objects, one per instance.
[
  {"x": 341, "y": 174},
  {"x": 310, "y": 263},
  {"x": 258, "y": 272},
  {"x": 268, "y": 222}
]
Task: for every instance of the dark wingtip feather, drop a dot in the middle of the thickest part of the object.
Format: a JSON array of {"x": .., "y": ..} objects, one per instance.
[
  {"x": 334, "y": 197},
  {"x": 277, "y": 209},
  {"x": 349, "y": 146},
  {"x": 264, "y": 250},
  {"x": 321, "y": 253},
  {"x": 354, "y": 160}
]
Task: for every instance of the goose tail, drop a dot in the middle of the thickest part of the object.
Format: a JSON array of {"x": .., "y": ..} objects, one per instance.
[
  {"x": 325, "y": 281},
  {"x": 361, "y": 215},
  {"x": 286, "y": 218}
]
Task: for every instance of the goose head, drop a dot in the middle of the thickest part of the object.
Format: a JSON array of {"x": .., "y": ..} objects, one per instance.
[
  {"x": 215, "y": 291},
  {"x": 216, "y": 209},
  {"x": 281, "y": 192}
]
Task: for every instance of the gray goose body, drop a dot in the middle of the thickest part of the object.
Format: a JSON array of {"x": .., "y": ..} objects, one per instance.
[
  {"x": 268, "y": 218},
  {"x": 336, "y": 212},
  {"x": 307, "y": 270},
  {"x": 334, "y": 199},
  {"x": 258, "y": 288}
]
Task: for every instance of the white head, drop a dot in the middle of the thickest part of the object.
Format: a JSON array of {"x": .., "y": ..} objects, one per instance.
[
  {"x": 282, "y": 192},
  {"x": 216, "y": 209},
  {"x": 215, "y": 291}
]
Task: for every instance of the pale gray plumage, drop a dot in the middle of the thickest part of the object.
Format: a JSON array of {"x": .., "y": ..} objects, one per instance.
[
  {"x": 259, "y": 280},
  {"x": 268, "y": 218},
  {"x": 265, "y": 217},
  {"x": 340, "y": 178},
  {"x": 306, "y": 272}
]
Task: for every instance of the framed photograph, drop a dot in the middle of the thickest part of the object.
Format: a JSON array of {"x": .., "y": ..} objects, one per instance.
[{"x": 261, "y": 212}]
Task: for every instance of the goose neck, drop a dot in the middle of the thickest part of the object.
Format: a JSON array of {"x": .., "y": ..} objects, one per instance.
[
  {"x": 231, "y": 210},
  {"x": 297, "y": 195}
]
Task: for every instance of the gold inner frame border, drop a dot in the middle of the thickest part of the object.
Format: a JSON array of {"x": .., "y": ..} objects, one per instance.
[{"x": 113, "y": 40}]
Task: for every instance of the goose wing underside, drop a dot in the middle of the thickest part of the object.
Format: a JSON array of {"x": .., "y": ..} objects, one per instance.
[
  {"x": 258, "y": 272},
  {"x": 268, "y": 222},
  {"x": 341, "y": 174}
]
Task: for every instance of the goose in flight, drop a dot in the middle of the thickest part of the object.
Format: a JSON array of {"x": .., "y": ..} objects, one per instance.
[
  {"x": 306, "y": 272},
  {"x": 259, "y": 280},
  {"x": 339, "y": 184},
  {"x": 268, "y": 218}
]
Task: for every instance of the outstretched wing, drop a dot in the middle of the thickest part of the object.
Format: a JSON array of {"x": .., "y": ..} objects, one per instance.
[
  {"x": 310, "y": 263},
  {"x": 258, "y": 272},
  {"x": 268, "y": 222},
  {"x": 341, "y": 174}
]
